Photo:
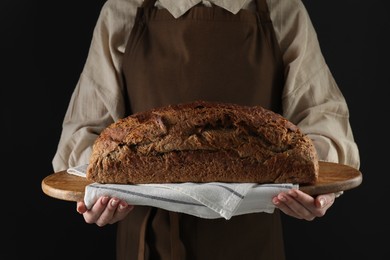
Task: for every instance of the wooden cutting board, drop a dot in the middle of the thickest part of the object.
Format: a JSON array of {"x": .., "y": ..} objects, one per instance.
[{"x": 333, "y": 177}]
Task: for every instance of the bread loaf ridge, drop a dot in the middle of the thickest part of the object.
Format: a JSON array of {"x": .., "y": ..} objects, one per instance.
[{"x": 203, "y": 142}]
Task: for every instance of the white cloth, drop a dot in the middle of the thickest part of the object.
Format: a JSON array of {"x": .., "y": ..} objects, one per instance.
[{"x": 205, "y": 200}]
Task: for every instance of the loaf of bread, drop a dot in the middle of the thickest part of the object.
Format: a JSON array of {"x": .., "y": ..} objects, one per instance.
[{"x": 203, "y": 142}]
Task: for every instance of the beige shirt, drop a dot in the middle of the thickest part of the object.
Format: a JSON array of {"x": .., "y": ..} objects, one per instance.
[{"x": 311, "y": 98}]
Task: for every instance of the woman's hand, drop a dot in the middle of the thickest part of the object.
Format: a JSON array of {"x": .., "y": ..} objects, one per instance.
[
  {"x": 298, "y": 204},
  {"x": 105, "y": 211}
]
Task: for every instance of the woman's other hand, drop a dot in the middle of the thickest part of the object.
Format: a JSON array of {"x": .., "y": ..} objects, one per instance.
[{"x": 105, "y": 211}]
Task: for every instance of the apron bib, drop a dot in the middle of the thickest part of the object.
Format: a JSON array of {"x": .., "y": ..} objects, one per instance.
[
  {"x": 206, "y": 54},
  {"x": 213, "y": 55}
]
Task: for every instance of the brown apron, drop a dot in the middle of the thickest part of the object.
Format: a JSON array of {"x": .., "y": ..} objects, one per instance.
[{"x": 206, "y": 54}]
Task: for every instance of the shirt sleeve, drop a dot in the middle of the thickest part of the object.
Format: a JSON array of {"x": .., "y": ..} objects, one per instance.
[
  {"x": 98, "y": 97},
  {"x": 311, "y": 97}
]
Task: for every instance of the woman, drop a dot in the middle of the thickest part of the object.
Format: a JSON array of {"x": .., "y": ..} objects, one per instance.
[{"x": 151, "y": 53}]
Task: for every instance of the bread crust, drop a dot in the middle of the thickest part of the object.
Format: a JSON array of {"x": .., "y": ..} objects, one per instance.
[{"x": 203, "y": 142}]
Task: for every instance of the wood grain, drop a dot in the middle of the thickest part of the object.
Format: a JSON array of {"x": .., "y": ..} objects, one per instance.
[
  {"x": 333, "y": 177},
  {"x": 65, "y": 186}
]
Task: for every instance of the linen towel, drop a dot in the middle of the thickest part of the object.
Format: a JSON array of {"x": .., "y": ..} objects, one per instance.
[{"x": 206, "y": 200}]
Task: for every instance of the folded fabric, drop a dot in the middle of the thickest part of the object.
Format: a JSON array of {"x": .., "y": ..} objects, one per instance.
[{"x": 205, "y": 200}]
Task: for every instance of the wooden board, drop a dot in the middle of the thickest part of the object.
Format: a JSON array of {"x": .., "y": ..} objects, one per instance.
[
  {"x": 333, "y": 177},
  {"x": 64, "y": 186}
]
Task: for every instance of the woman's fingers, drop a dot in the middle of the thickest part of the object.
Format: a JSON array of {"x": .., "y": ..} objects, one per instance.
[
  {"x": 105, "y": 211},
  {"x": 300, "y": 205}
]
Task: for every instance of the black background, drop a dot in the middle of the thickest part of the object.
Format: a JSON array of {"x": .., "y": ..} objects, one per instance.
[{"x": 44, "y": 45}]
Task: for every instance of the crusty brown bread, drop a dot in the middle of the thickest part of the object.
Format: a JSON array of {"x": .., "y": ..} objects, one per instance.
[{"x": 203, "y": 142}]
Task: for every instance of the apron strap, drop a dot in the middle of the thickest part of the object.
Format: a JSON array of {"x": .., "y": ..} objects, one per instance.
[
  {"x": 148, "y": 3},
  {"x": 263, "y": 11},
  {"x": 262, "y": 5}
]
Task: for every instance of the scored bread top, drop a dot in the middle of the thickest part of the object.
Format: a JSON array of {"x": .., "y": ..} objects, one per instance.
[{"x": 252, "y": 134}]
